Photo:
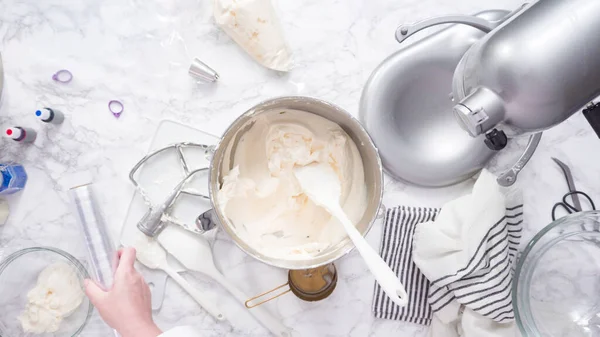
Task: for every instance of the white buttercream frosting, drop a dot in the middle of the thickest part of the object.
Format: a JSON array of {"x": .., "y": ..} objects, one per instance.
[
  {"x": 261, "y": 196},
  {"x": 254, "y": 25},
  {"x": 56, "y": 295}
]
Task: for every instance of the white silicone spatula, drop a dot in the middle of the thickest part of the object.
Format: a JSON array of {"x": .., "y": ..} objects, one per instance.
[
  {"x": 322, "y": 185},
  {"x": 194, "y": 253},
  {"x": 152, "y": 255}
]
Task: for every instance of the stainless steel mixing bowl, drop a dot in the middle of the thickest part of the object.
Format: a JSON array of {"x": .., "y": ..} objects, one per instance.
[{"x": 368, "y": 152}]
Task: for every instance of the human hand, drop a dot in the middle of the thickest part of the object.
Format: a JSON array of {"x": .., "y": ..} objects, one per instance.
[{"x": 126, "y": 307}]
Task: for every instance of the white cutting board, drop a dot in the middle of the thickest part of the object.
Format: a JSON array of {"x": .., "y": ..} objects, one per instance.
[{"x": 158, "y": 178}]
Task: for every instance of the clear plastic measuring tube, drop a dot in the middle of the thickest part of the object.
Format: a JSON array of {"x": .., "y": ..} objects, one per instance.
[{"x": 102, "y": 255}]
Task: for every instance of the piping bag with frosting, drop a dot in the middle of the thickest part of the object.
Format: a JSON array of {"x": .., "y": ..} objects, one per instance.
[{"x": 253, "y": 24}]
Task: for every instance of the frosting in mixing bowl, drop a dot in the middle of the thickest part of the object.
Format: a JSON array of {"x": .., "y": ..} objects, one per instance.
[
  {"x": 56, "y": 295},
  {"x": 262, "y": 198}
]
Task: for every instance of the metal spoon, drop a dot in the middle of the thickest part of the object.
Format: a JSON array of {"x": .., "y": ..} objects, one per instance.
[{"x": 322, "y": 185}]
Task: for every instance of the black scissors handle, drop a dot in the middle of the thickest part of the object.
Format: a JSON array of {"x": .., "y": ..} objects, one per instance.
[{"x": 568, "y": 206}]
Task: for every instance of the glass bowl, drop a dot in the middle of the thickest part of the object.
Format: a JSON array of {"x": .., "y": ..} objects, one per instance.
[
  {"x": 18, "y": 275},
  {"x": 556, "y": 288}
]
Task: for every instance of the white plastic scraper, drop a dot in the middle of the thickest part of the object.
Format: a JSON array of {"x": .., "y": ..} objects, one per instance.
[
  {"x": 194, "y": 253},
  {"x": 152, "y": 255},
  {"x": 322, "y": 185}
]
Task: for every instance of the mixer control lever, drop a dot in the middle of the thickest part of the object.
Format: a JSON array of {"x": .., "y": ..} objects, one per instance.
[
  {"x": 592, "y": 114},
  {"x": 496, "y": 140}
]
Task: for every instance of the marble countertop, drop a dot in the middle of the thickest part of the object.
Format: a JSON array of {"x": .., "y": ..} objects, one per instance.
[{"x": 138, "y": 52}]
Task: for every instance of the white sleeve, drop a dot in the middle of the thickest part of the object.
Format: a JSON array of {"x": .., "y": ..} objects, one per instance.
[{"x": 180, "y": 331}]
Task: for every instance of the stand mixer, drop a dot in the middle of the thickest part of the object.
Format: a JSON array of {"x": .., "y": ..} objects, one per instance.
[{"x": 528, "y": 74}]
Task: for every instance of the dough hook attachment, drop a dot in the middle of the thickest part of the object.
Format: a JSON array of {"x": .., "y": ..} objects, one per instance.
[{"x": 158, "y": 216}]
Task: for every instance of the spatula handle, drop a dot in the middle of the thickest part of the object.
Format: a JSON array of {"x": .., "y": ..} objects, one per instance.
[
  {"x": 198, "y": 296},
  {"x": 385, "y": 276}
]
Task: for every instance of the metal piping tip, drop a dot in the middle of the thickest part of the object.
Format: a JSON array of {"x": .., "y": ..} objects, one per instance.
[{"x": 202, "y": 72}]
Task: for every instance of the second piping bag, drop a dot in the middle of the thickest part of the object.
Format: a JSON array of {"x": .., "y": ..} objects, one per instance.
[{"x": 253, "y": 24}]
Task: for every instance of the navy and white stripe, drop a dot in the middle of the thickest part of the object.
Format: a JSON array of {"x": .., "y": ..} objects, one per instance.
[
  {"x": 484, "y": 284},
  {"x": 397, "y": 250}
]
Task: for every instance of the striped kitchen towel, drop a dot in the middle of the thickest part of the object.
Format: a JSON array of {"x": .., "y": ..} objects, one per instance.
[
  {"x": 467, "y": 253},
  {"x": 483, "y": 229},
  {"x": 484, "y": 283},
  {"x": 396, "y": 249}
]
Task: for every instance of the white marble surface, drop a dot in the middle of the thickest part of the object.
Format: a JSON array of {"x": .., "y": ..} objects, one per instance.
[{"x": 137, "y": 51}]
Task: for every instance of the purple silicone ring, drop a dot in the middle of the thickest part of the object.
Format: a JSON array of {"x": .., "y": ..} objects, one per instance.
[
  {"x": 62, "y": 73},
  {"x": 119, "y": 108}
]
